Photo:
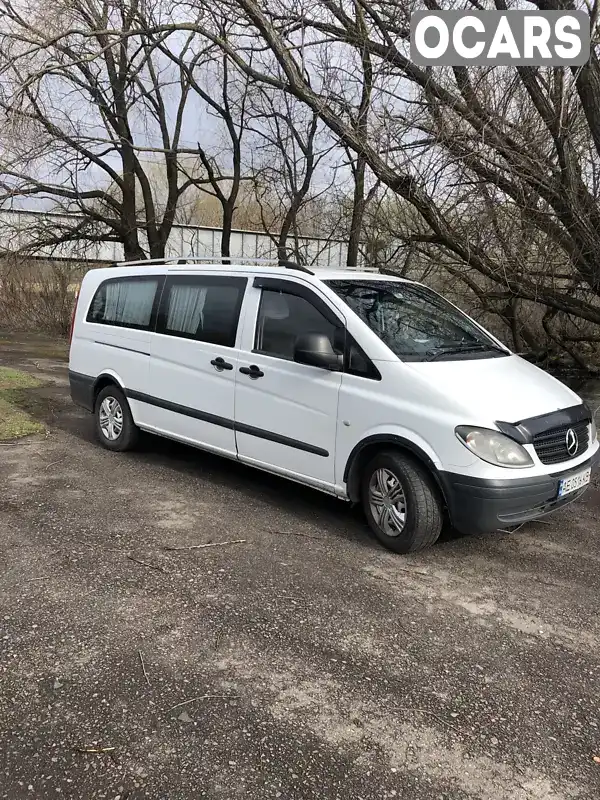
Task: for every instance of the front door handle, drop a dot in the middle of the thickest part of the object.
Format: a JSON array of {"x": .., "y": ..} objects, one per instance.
[
  {"x": 253, "y": 371},
  {"x": 220, "y": 364}
]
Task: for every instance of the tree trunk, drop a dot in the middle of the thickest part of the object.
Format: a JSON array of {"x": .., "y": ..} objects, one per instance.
[
  {"x": 227, "y": 225},
  {"x": 288, "y": 220},
  {"x": 132, "y": 250},
  {"x": 358, "y": 212}
]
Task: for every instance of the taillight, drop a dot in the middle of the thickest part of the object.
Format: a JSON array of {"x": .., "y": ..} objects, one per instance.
[{"x": 73, "y": 316}]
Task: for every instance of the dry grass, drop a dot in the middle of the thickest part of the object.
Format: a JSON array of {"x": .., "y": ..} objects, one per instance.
[
  {"x": 15, "y": 423},
  {"x": 36, "y": 296}
]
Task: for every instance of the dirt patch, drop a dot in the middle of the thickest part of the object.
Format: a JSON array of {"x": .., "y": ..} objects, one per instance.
[
  {"x": 286, "y": 667},
  {"x": 33, "y": 379},
  {"x": 32, "y": 346}
]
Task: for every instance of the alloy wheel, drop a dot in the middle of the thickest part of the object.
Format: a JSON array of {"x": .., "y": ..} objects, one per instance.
[
  {"x": 110, "y": 418},
  {"x": 387, "y": 501}
]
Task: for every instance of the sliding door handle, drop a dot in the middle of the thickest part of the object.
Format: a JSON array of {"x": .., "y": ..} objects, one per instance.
[
  {"x": 253, "y": 371},
  {"x": 220, "y": 364}
]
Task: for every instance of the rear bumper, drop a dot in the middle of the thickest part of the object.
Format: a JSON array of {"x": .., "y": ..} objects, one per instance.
[
  {"x": 477, "y": 505},
  {"x": 82, "y": 390}
]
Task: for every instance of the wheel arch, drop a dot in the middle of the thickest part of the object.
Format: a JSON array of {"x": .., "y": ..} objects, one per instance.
[
  {"x": 368, "y": 447},
  {"x": 107, "y": 378}
]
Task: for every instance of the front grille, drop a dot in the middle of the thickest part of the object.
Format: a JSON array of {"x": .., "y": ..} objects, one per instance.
[{"x": 551, "y": 445}]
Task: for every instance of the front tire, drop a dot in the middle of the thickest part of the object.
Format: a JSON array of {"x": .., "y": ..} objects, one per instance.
[
  {"x": 401, "y": 503},
  {"x": 115, "y": 427}
]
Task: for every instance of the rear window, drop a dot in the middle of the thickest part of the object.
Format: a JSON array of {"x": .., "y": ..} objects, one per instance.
[
  {"x": 202, "y": 307},
  {"x": 126, "y": 302}
]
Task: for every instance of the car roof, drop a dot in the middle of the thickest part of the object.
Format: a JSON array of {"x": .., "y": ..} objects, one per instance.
[
  {"x": 354, "y": 275},
  {"x": 191, "y": 266}
]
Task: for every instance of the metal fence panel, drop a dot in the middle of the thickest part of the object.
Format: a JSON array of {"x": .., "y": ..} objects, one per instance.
[{"x": 21, "y": 230}]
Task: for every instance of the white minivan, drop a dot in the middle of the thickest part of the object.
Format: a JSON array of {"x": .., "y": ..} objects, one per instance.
[{"x": 372, "y": 388}]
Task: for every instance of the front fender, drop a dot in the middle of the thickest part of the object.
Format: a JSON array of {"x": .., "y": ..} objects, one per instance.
[
  {"x": 395, "y": 437},
  {"x": 408, "y": 439}
]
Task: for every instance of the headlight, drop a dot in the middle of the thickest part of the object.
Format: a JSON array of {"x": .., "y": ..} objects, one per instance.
[
  {"x": 593, "y": 431},
  {"x": 494, "y": 447}
]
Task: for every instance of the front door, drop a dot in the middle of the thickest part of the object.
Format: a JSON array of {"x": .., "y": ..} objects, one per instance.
[
  {"x": 286, "y": 413},
  {"x": 194, "y": 360}
]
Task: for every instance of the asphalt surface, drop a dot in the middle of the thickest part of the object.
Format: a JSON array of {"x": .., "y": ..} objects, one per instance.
[{"x": 306, "y": 662}]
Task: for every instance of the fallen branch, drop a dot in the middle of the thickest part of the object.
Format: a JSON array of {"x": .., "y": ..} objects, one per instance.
[
  {"x": 16, "y": 444},
  {"x": 144, "y": 667},
  {"x": 210, "y": 544},
  {"x": 203, "y": 697},
  {"x": 146, "y": 564},
  {"x": 94, "y": 749}
]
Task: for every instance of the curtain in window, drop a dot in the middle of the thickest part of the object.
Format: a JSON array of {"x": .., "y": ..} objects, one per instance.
[
  {"x": 185, "y": 308},
  {"x": 130, "y": 302}
]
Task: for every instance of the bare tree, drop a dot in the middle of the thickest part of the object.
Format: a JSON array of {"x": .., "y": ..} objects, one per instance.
[
  {"x": 93, "y": 122},
  {"x": 360, "y": 122},
  {"x": 288, "y": 150},
  {"x": 500, "y": 167},
  {"x": 224, "y": 93},
  {"x": 530, "y": 137}
]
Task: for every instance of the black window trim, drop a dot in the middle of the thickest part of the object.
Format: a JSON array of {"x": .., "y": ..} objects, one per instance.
[
  {"x": 202, "y": 280},
  {"x": 373, "y": 372},
  {"x": 308, "y": 294},
  {"x": 160, "y": 280}
]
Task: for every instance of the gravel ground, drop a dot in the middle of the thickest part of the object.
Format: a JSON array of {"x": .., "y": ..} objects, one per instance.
[{"x": 306, "y": 662}]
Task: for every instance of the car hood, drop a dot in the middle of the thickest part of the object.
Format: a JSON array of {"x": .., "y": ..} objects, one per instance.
[{"x": 508, "y": 389}]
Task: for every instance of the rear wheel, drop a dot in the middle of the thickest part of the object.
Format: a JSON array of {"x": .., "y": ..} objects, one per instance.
[
  {"x": 114, "y": 424},
  {"x": 401, "y": 503}
]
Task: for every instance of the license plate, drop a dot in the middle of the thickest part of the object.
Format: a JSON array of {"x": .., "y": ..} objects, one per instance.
[{"x": 574, "y": 482}]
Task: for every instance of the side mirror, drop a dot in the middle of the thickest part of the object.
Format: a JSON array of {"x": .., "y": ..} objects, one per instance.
[{"x": 315, "y": 349}]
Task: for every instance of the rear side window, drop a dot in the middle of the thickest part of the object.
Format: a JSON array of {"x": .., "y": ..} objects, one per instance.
[
  {"x": 202, "y": 307},
  {"x": 126, "y": 302}
]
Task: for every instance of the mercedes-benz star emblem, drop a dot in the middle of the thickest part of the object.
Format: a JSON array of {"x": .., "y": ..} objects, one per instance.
[{"x": 572, "y": 442}]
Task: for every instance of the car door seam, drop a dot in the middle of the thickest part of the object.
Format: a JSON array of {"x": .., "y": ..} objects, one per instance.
[
  {"x": 121, "y": 347},
  {"x": 224, "y": 422}
]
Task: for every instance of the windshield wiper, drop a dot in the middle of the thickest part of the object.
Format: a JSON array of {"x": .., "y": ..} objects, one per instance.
[{"x": 465, "y": 348}]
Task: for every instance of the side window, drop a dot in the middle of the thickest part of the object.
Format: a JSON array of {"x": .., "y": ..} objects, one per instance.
[
  {"x": 282, "y": 317},
  {"x": 204, "y": 308},
  {"x": 125, "y": 302}
]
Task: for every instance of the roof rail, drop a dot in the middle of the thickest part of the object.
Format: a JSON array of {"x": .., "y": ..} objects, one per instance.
[{"x": 224, "y": 260}]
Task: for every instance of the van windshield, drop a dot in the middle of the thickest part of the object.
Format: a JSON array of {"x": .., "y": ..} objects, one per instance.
[{"x": 416, "y": 323}]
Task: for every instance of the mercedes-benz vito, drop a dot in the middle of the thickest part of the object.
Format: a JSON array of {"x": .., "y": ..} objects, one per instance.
[{"x": 372, "y": 388}]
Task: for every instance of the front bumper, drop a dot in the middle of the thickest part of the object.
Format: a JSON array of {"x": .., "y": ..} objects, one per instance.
[{"x": 477, "y": 505}]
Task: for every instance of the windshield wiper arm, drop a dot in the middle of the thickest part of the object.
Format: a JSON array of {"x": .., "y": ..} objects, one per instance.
[{"x": 465, "y": 348}]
